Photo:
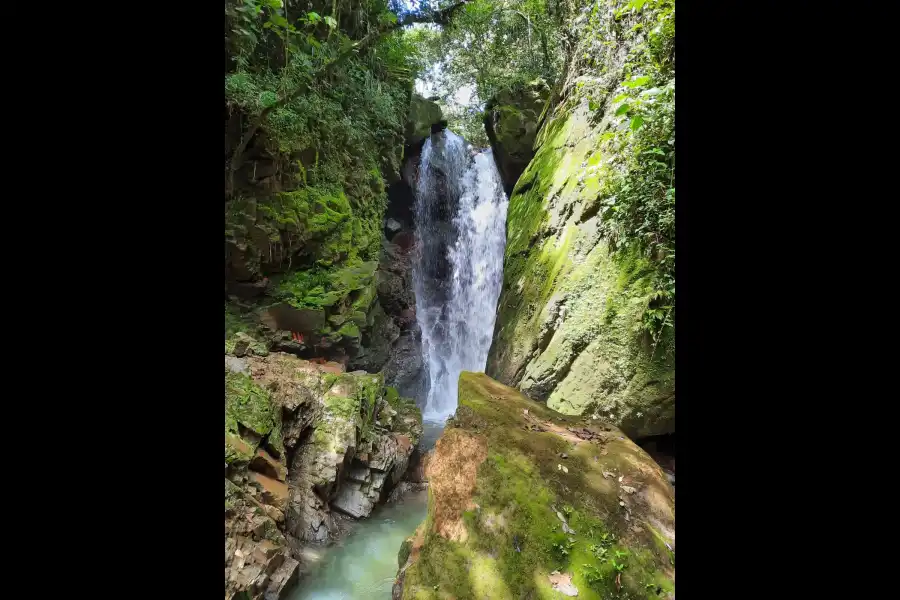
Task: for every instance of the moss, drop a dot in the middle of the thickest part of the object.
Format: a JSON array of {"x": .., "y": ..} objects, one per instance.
[
  {"x": 403, "y": 555},
  {"x": 409, "y": 421},
  {"x": 232, "y": 495},
  {"x": 514, "y": 538},
  {"x": 249, "y": 405},
  {"x": 239, "y": 323},
  {"x": 574, "y": 307},
  {"x": 237, "y": 450},
  {"x": 392, "y": 396},
  {"x": 349, "y": 330},
  {"x": 344, "y": 293},
  {"x": 422, "y": 115}
]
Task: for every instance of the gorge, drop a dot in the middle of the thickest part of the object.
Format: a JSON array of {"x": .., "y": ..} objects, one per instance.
[{"x": 447, "y": 338}]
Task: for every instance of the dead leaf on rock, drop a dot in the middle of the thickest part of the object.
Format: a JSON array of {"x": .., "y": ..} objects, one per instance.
[
  {"x": 628, "y": 489},
  {"x": 607, "y": 474}
]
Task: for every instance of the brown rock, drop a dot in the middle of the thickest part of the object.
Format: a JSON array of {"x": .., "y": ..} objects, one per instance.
[
  {"x": 265, "y": 464},
  {"x": 403, "y": 442},
  {"x": 274, "y": 492}
]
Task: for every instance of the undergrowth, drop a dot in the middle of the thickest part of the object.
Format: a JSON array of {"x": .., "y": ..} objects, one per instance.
[{"x": 638, "y": 209}]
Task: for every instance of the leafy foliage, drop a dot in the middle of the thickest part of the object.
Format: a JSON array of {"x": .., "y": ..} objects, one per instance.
[
  {"x": 638, "y": 212},
  {"x": 487, "y": 46},
  {"x": 330, "y": 112}
]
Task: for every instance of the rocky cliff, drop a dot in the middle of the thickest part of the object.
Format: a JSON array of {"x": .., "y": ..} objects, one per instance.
[
  {"x": 306, "y": 446},
  {"x": 323, "y": 271},
  {"x": 525, "y": 502},
  {"x": 584, "y": 321}
]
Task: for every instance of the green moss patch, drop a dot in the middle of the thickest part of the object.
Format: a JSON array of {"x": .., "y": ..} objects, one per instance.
[
  {"x": 249, "y": 405},
  {"x": 515, "y": 537}
]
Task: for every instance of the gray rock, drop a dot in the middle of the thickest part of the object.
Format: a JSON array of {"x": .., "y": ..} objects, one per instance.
[
  {"x": 236, "y": 365},
  {"x": 393, "y": 225},
  {"x": 354, "y": 499}
]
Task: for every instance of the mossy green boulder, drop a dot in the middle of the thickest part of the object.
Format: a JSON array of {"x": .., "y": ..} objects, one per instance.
[
  {"x": 422, "y": 115},
  {"x": 570, "y": 328},
  {"x": 525, "y": 502},
  {"x": 511, "y": 121}
]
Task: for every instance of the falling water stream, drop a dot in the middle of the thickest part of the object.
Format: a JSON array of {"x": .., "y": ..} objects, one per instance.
[
  {"x": 461, "y": 221},
  {"x": 461, "y": 229}
]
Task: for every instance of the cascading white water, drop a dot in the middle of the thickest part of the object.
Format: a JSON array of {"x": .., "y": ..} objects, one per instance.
[{"x": 461, "y": 225}]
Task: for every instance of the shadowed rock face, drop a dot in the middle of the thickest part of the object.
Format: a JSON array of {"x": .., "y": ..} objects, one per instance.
[{"x": 526, "y": 502}]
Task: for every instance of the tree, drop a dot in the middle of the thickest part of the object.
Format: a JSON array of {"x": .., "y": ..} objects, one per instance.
[{"x": 275, "y": 19}]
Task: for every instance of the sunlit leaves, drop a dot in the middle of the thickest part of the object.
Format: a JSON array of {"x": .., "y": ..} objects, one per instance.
[{"x": 636, "y": 82}]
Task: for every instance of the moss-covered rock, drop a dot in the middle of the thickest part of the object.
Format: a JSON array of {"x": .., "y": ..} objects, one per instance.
[
  {"x": 509, "y": 517},
  {"x": 570, "y": 326},
  {"x": 334, "y": 425},
  {"x": 248, "y": 405},
  {"x": 422, "y": 115},
  {"x": 511, "y": 121}
]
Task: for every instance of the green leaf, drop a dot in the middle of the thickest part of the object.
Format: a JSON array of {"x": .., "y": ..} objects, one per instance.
[
  {"x": 313, "y": 17},
  {"x": 637, "y": 81},
  {"x": 330, "y": 22},
  {"x": 619, "y": 98},
  {"x": 622, "y": 109},
  {"x": 636, "y": 122},
  {"x": 278, "y": 20}
]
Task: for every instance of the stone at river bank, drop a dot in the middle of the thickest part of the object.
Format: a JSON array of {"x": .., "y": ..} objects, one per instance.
[
  {"x": 569, "y": 327},
  {"x": 510, "y": 518},
  {"x": 304, "y": 444}
]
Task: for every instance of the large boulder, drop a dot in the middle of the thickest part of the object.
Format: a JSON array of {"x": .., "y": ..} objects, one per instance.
[
  {"x": 511, "y": 121},
  {"x": 525, "y": 502},
  {"x": 571, "y": 320},
  {"x": 423, "y": 116}
]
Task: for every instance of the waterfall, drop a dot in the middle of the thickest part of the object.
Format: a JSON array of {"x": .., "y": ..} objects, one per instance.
[{"x": 458, "y": 270}]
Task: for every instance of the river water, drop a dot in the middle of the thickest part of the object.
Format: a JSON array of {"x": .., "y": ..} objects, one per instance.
[{"x": 458, "y": 270}]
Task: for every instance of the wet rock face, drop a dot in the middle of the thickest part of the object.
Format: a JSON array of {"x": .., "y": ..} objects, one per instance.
[
  {"x": 302, "y": 441},
  {"x": 511, "y": 121},
  {"x": 525, "y": 502}
]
